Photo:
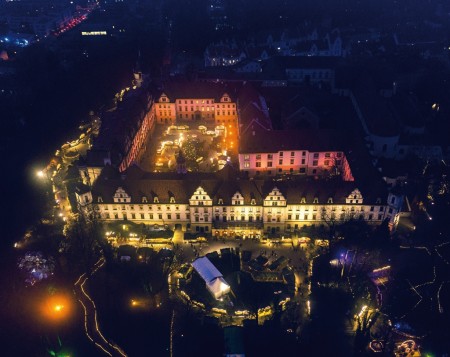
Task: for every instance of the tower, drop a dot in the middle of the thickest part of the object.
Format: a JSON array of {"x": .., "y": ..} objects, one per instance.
[
  {"x": 137, "y": 72},
  {"x": 181, "y": 163}
]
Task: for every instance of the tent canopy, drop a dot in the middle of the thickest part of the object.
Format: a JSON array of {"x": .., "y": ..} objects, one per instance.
[{"x": 214, "y": 280}]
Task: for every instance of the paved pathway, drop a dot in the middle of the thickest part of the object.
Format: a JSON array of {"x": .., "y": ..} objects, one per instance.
[{"x": 91, "y": 326}]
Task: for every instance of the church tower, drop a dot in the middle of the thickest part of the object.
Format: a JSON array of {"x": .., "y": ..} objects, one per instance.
[
  {"x": 137, "y": 72},
  {"x": 181, "y": 163}
]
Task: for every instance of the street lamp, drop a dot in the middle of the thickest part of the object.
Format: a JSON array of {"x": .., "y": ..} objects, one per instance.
[{"x": 56, "y": 308}]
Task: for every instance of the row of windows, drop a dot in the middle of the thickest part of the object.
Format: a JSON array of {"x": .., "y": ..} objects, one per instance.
[
  {"x": 292, "y": 154},
  {"x": 291, "y": 162},
  {"x": 257, "y": 218},
  {"x": 204, "y": 101},
  {"x": 186, "y": 109},
  {"x": 232, "y": 210},
  {"x": 237, "y": 218},
  {"x": 250, "y": 209},
  {"x": 225, "y": 113},
  {"x": 305, "y": 217},
  {"x": 168, "y": 216},
  {"x": 142, "y": 207}
]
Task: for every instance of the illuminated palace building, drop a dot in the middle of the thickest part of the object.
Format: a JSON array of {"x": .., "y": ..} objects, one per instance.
[{"x": 285, "y": 180}]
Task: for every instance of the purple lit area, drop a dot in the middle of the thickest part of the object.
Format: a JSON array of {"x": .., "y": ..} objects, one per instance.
[{"x": 36, "y": 267}]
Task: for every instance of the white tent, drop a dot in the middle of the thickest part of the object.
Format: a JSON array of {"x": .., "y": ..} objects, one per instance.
[{"x": 214, "y": 280}]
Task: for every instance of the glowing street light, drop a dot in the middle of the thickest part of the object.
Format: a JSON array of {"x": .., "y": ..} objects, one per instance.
[
  {"x": 40, "y": 174},
  {"x": 58, "y": 307}
]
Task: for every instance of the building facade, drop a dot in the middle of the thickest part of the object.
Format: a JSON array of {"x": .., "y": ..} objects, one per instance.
[
  {"x": 309, "y": 153},
  {"x": 170, "y": 109},
  {"x": 227, "y": 201}
]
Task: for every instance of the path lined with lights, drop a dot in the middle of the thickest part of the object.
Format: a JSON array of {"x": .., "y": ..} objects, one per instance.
[
  {"x": 432, "y": 283},
  {"x": 91, "y": 326}
]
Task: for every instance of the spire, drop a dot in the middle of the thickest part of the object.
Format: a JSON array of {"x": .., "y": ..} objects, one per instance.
[
  {"x": 138, "y": 67},
  {"x": 137, "y": 72}
]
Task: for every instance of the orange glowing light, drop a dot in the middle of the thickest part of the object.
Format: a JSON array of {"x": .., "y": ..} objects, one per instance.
[{"x": 56, "y": 308}]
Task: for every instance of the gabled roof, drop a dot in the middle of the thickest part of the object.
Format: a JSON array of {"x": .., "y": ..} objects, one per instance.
[
  {"x": 284, "y": 140},
  {"x": 225, "y": 183},
  {"x": 202, "y": 90}
]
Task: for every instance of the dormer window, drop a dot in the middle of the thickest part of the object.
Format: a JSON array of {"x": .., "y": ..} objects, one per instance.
[
  {"x": 144, "y": 199},
  {"x": 253, "y": 202},
  {"x": 100, "y": 200},
  {"x": 220, "y": 201},
  {"x": 316, "y": 200},
  {"x": 378, "y": 200},
  {"x": 172, "y": 199},
  {"x": 330, "y": 200},
  {"x": 303, "y": 200},
  {"x": 155, "y": 200}
]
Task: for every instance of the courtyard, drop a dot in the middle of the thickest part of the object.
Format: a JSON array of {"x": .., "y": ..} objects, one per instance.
[{"x": 206, "y": 147}]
